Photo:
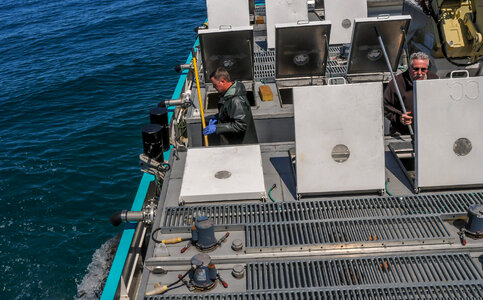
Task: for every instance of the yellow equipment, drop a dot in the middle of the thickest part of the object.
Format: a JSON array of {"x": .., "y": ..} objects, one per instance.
[{"x": 458, "y": 27}]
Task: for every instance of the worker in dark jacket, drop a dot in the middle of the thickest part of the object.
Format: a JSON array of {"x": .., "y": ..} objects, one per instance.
[
  {"x": 393, "y": 115},
  {"x": 234, "y": 122}
]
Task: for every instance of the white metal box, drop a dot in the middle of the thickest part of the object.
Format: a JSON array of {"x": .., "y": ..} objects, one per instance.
[
  {"x": 223, "y": 174},
  {"x": 448, "y": 131},
  {"x": 339, "y": 138},
  {"x": 234, "y": 13},
  {"x": 283, "y": 11},
  {"x": 342, "y": 14}
]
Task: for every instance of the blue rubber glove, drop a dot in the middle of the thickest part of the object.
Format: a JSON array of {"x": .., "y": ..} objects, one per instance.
[{"x": 211, "y": 128}]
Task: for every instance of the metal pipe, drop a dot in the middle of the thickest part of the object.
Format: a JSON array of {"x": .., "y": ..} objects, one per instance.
[
  {"x": 401, "y": 102},
  {"x": 173, "y": 102},
  {"x": 134, "y": 216}
]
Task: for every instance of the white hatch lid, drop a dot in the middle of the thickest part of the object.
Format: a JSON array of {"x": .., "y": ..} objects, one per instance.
[
  {"x": 223, "y": 174},
  {"x": 449, "y": 142},
  {"x": 339, "y": 140}
]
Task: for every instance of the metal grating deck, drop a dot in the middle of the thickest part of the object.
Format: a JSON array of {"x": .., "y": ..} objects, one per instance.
[
  {"x": 446, "y": 205},
  {"x": 447, "y": 291},
  {"x": 334, "y": 51},
  {"x": 260, "y": 10},
  {"x": 334, "y": 69},
  {"x": 389, "y": 270},
  {"x": 264, "y": 65},
  {"x": 387, "y": 231}
]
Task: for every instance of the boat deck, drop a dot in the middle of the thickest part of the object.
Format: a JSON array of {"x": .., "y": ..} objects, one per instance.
[
  {"x": 395, "y": 242},
  {"x": 361, "y": 246}
]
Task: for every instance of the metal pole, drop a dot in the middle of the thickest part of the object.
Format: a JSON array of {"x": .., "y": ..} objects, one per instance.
[
  {"x": 199, "y": 97},
  {"x": 381, "y": 43}
]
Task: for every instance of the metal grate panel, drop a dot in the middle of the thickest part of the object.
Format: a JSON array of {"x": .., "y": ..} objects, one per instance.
[
  {"x": 446, "y": 205},
  {"x": 278, "y": 275},
  {"x": 334, "y": 51},
  {"x": 335, "y": 69},
  {"x": 260, "y": 10},
  {"x": 420, "y": 291},
  {"x": 387, "y": 231},
  {"x": 264, "y": 65}
]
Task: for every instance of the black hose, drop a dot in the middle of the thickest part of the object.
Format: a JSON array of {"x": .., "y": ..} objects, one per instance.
[
  {"x": 171, "y": 287},
  {"x": 174, "y": 287},
  {"x": 180, "y": 278},
  {"x": 154, "y": 233},
  {"x": 164, "y": 167}
]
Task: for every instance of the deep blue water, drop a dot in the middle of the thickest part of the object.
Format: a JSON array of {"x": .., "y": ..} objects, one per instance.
[{"x": 77, "y": 80}]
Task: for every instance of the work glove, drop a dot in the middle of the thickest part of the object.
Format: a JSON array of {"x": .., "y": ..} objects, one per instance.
[{"x": 211, "y": 128}]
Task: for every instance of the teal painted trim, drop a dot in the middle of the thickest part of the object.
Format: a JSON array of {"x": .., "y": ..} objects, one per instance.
[
  {"x": 127, "y": 235},
  {"x": 183, "y": 75}
]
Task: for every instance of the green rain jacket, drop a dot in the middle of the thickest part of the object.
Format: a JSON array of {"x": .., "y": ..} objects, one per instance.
[{"x": 235, "y": 120}]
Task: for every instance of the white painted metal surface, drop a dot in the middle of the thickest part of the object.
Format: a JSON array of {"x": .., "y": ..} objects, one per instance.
[
  {"x": 342, "y": 14},
  {"x": 447, "y": 110},
  {"x": 327, "y": 116},
  {"x": 283, "y": 11},
  {"x": 206, "y": 176},
  {"x": 227, "y": 13}
]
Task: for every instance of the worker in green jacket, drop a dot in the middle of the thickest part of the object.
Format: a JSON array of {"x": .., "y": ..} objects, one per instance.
[{"x": 234, "y": 122}]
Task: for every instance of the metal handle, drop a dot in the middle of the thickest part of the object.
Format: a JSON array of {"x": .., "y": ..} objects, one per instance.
[
  {"x": 302, "y": 22},
  {"x": 225, "y": 27},
  {"x": 383, "y": 16},
  {"x": 336, "y": 78},
  {"x": 459, "y": 71}
]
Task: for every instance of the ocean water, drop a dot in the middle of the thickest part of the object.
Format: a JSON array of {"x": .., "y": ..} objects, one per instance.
[{"x": 77, "y": 80}]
